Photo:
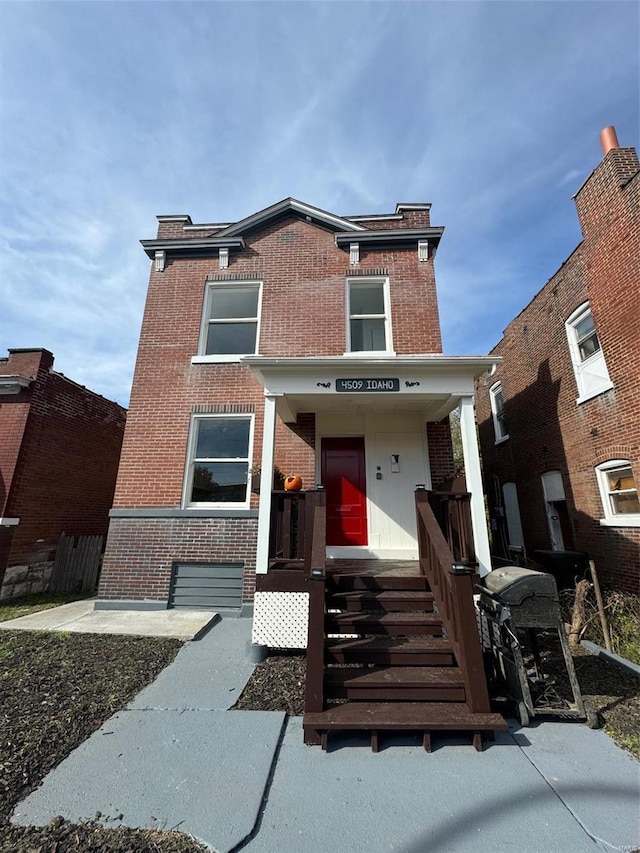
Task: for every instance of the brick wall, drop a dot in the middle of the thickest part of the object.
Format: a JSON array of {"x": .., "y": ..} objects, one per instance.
[
  {"x": 140, "y": 552},
  {"x": 64, "y": 475},
  {"x": 302, "y": 314},
  {"x": 547, "y": 430}
]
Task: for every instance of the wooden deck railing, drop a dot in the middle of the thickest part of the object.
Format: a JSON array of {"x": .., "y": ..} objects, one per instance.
[
  {"x": 452, "y": 586},
  {"x": 452, "y": 511},
  {"x": 315, "y": 567},
  {"x": 288, "y": 527}
]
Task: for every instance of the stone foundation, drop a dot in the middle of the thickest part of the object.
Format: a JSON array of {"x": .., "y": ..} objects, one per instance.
[{"x": 26, "y": 580}]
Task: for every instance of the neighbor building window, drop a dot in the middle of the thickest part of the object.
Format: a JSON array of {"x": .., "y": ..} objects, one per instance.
[
  {"x": 219, "y": 453},
  {"x": 369, "y": 325},
  {"x": 619, "y": 492},
  {"x": 589, "y": 366},
  {"x": 230, "y": 322},
  {"x": 512, "y": 514},
  {"x": 497, "y": 410}
]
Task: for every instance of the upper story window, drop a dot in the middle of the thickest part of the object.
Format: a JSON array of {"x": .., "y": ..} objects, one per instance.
[
  {"x": 497, "y": 410},
  {"x": 230, "y": 323},
  {"x": 218, "y": 460},
  {"x": 619, "y": 493},
  {"x": 369, "y": 316},
  {"x": 589, "y": 366}
]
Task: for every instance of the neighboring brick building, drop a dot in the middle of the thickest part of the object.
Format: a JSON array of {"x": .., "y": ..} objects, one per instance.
[
  {"x": 560, "y": 418},
  {"x": 59, "y": 451},
  {"x": 295, "y": 337}
]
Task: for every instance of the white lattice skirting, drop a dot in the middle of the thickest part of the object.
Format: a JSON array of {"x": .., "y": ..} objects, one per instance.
[{"x": 281, "y": 619}]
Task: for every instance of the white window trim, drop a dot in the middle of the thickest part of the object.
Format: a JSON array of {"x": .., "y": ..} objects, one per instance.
[
  {"x": 188, "y": 475},
  {"x": 225, "y": 358},
  {"x": 578, "y": 363},
  {"x": 388, "y": 334},
  {"x": 497, "y": 431},
  {"x": 612, "y": 519}
]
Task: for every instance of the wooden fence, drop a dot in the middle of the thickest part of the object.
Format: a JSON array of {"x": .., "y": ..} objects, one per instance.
[{"x": 76, "y": 565}]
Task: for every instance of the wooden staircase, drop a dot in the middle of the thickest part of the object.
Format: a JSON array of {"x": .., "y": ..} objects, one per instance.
[{"x": 386, "y": 653}]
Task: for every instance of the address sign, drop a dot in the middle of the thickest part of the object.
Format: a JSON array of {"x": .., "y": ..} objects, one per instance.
[{"x": 367, "y": 385}]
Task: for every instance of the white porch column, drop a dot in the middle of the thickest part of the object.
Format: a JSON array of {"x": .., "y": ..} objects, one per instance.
[
  {"x": 266, "y": 483},
  {"x": 471, "y": 455}
]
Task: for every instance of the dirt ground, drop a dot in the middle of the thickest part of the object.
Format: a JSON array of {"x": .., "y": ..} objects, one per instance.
[{"x": 55, "y": 690}]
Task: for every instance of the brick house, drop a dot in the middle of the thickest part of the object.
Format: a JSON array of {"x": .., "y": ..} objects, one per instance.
[
  {"x": 59, "y": 451},
  {"x": 558, "y": 420},
  {"x": 293, "y": 337}
]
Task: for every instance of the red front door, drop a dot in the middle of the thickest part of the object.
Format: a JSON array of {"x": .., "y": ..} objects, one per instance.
[{"x": 343, "y": 476}]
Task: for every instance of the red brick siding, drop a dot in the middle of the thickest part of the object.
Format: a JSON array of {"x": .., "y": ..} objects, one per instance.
[
  {"x": 69, "y": 446},
  {"x": 303, "y": 313},
  {"x": 140, "y": 552},
  {"x": 440, "y": 452},
  {"x": 547, "y": 430}
]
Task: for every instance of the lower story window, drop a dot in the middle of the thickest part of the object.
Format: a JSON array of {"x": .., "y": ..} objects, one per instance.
[
  {"x": 619, "y": 492},
  {"x": 219, "y": 453}
]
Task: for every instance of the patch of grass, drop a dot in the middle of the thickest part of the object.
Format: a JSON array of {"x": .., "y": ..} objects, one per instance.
[{"x": 13, "y": 608}]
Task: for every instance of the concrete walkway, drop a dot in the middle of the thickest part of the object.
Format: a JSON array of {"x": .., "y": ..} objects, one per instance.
[
  {"x": 243, "y": 780},
  {"x": 80, "y": 617}
]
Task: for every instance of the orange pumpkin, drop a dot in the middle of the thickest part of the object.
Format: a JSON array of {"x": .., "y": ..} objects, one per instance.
[{"x": 293, "y": 483}]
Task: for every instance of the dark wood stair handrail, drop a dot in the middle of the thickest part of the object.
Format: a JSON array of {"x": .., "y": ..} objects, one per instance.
[
  {"x": 315, "y": 565},
  {"x": 452, "y": 586}
]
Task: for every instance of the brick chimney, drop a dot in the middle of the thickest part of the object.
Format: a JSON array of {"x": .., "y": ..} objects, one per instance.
[{"x": 604, "y": 190}]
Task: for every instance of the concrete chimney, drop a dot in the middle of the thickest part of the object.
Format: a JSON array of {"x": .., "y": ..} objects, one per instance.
[{"x": 608, "y": 139}]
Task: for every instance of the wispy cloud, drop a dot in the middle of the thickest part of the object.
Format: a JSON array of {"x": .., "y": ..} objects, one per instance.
[{"x": 112, "y": 113}]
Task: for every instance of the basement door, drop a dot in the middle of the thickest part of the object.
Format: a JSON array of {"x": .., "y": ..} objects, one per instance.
[{"x": 344, "y": 477}]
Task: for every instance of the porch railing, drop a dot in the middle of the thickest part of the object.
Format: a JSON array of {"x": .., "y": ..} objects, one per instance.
[
  {"x": 315, "y": 568},
  {"x": 452, "y": 511},
  {"x": 452, "y": 587},
  {"x": 288, "y": 527}
]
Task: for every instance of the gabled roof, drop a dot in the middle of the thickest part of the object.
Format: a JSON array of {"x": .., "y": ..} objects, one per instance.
[{"x": 336, "y": 223}]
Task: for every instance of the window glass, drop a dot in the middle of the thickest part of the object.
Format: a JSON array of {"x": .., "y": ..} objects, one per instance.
[
  {"x": 586, "y": 336},
  {"x": 231, "y": 302},
  {"x": 231, "y": 338},
  {"x": 222, "y": 438},
  {"x": 497, "y": 407},
  {"x": 219, "y": 482},
  {"x": 219, "y": 468},
  {"x": 623, "y": 493},
  {"x": 367, "y": 335},
  {"x": 367, "y": 299},
  {"x": 231, "y": 325},
  {"x": 368, "y": 316}
]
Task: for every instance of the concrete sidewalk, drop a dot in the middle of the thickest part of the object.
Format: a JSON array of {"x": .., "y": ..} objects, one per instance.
[
  {"x": 244, "y": 780},
  {"x": 80, "y": 617}
]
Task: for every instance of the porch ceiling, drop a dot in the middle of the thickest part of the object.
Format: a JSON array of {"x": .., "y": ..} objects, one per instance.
[
  {"x": 430, "y": 407},
  {"x": 431, "y": 385}
]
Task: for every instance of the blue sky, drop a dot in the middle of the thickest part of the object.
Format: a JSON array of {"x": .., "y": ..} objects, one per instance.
[{"x": 111, "y": 113}]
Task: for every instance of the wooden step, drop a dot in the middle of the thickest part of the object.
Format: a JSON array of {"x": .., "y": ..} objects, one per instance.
[
  {"x": 404, "y": 624},
  {"x": 404, "y": 651},
  {"x": 387, "y": 600},
  {"x": 399, "y": 683},
  {"x": 349, "y": 581},
  {"x": 424, "y": 717}
]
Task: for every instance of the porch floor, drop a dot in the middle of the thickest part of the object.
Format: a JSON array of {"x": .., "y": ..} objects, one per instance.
[{"x": 388, "y": 568}]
